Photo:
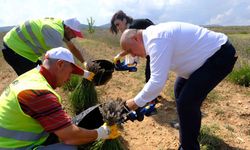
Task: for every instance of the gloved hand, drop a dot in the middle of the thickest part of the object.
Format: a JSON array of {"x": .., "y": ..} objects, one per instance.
[
  {"x": 88, "y": 75},
  {"x": 108, "y": 132},
  {"x": 117, "y": 59},
  {"x": 87, "y": 64},
  {"x": 132, "y": 115}
]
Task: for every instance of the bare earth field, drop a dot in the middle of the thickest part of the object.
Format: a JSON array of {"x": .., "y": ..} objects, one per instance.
[{"x": 226, "y": 111}]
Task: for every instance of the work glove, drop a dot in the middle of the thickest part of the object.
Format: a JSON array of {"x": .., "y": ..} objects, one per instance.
[
  {"x": 88, "y": 75},
  {"x": 132, "y": 115},
  {"x": 117, "y": 59},
  {"x": 108, "y": 132},
  {"x": 87, "y": 64}
]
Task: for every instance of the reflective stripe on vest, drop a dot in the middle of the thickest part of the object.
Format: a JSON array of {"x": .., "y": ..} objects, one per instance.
[
  {"x": 33, "y": 37},
  {"x": 24, "y": 148},
  {"x": 21, "y": 135}
]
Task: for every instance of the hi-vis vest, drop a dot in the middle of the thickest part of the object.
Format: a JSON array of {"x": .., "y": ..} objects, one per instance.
[
  {"x": 27, "y": 39},
  {"x": 17, "y": 129}
]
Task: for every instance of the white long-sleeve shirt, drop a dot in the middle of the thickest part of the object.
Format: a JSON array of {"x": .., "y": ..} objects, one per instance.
[{"x": 179, "y": 47}]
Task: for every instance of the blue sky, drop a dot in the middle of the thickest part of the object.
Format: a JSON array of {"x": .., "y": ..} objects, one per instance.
[{"x": 201, "y": 12}]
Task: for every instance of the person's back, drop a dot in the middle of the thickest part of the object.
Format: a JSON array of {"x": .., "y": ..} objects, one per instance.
[
  {"x": 27, "y": 39},
  {"x": 26, "y": 43},
  {"x": 184, "y": 40},
  {"x": 140, "y": 24}
]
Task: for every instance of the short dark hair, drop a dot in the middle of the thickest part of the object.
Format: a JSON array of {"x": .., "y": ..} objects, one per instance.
[{"x": 119, "y": 15}]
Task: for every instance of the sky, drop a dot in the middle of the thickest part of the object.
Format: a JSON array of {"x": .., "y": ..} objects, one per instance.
[{"x": 200, "y": 12}]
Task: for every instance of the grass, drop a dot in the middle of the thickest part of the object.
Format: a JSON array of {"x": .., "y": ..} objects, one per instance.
[
  {"x": 73, "y": 82},
  {"x": 241, "y": 76},
  {"x": 232, "y": 29},
  {"x": 213, "y": 96},
  {"x": 219, "y": 111},
  {"x": 229, "y": 128},
  {"x": 208, "y": 140},
  {"x": 103, "y": 36}
]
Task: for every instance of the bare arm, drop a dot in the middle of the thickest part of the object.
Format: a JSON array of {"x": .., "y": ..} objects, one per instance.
[
  {"x": 74, "y": 135},
  {"x": 75, "y": 51}
]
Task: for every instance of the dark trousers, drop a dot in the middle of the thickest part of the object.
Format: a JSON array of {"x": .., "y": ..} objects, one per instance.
[
  {"x": 17, "y": 62},
  {"x": 147, "y": 69},
  {"x": 190, "y": 93}
]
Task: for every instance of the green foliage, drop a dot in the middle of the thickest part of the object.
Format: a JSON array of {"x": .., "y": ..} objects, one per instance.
[
  {"x": 241, "y": 76},
  {"x": 232, "y": 29},
  {"x": 91, "y": 22},
  {"x": 73, "y": 82},
  {"x": 208, "y": 139},
  {"x": 114, "y": 144},
  {"x": 84, "y": 96}
]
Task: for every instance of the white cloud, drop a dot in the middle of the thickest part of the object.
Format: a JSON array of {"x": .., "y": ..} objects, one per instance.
[
  {"x": 194, "y": 11},
  {"x": 220, "y": 18},
  {"x": 238, "y": 14}
]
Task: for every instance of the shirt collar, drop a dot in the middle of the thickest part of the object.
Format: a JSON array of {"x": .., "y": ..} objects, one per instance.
[{"x": 48, "y": 76}]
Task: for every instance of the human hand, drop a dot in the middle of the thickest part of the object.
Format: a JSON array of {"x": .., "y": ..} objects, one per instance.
[
  {"x": 108, "y": 132},
  {"x": 88, "y": 75},
  {"x": 117, "y": 59},
  {"x": 87, "y": 64},
  {"x": 132, "y": 115}
]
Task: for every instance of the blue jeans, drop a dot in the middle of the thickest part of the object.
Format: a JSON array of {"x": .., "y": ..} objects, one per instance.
[{"x": 190, "y": 93}]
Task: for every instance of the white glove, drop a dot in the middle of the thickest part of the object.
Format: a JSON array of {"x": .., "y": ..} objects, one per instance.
[
  {"x": 88, "y": 75},
  {"x": 130, "y": 60},
  {"x": 107, "y": 132}
]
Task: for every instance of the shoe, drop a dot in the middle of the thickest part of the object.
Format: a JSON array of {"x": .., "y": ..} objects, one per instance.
[{"x": 175, "y": 124}]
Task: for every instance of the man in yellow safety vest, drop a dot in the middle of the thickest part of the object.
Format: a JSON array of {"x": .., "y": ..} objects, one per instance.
[
  {"x": 30, "y": 109},
  {"x": 27, "y": 42}
]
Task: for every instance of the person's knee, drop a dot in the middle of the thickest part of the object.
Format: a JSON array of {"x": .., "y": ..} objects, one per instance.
[{"x": 186, "y": 108}]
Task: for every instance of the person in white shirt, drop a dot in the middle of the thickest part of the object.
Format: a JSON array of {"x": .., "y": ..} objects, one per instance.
[{"x": 201, "y": 58}]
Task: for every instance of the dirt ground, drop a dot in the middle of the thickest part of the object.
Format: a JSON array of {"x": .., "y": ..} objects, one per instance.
[{"x": 229, "y": 114}]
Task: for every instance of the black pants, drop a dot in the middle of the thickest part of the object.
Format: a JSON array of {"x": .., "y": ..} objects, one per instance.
[
  {"x": 190, "y": 93},
  {"x": 17, "y": 62},
  {"x": 147, "y": 69}
]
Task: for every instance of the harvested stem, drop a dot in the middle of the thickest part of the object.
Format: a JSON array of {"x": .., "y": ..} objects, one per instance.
[
  {"x": 112, "y": 114},
  {"x": 85, "y": 95},
  {"x": 114, "y": 144}
]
